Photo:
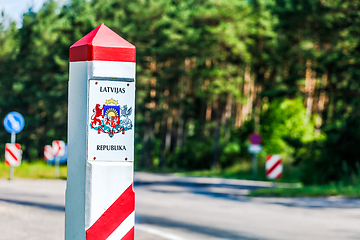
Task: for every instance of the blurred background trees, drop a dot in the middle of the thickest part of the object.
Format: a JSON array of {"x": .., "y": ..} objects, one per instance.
[{"x": 209, "y": 73}]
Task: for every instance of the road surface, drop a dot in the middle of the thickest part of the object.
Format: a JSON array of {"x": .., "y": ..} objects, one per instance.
[{"x": 176, "y": 208}]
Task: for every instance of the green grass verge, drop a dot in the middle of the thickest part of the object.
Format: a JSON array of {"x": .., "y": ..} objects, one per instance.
[
  {"x": 291, "y": 174},
  {"x": 32, "y": 170},
  {"x": 238, "y": 171},
  {"x": 243, "y": 170},
  {"x": 309, "y": 191},
  {"x": 40, "y": 170}
]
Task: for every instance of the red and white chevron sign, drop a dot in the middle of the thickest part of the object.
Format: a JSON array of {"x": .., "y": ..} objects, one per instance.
[
  {"x": 48, "y": 153},
  {"x": 58, "y": 147},
  {"x": 117, "y": 222},
  {"x": 274, "y": 167},
  {"x": 13, "y": 154}
]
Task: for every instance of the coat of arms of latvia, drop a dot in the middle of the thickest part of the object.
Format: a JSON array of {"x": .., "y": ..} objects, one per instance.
[{"x": 111, "y": 118}]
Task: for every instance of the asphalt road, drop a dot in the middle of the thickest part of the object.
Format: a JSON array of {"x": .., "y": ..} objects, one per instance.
[{"x": 175, "y": 208}]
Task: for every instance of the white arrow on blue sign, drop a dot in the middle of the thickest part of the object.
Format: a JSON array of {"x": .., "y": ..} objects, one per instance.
[{"x": 14, "y": 122}]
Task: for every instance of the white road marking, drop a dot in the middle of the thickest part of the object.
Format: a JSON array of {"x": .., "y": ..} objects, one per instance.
[{"x": 162, "y": 234}]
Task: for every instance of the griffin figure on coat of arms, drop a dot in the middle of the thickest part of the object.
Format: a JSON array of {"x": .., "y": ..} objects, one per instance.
[{"x": 110, "y": 118}]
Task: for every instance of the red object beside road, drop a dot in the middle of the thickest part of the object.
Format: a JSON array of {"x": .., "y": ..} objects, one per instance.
[
  {"x": 274, "y": 167},
  {"x": 13, "y": 154}
]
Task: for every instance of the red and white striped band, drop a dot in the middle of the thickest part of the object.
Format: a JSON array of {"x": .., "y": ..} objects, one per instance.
[
  {"x": 13, "y": 154},
  {"x": 274, "y": 167},
  {"x": 117, "y": 220}
]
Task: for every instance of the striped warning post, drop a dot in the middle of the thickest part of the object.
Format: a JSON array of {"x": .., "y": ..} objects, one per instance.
[
  {"x": 117, "y": 222},
  {"x": 48, "y": 153},
  {"x": 13, "y": 154},
  {"x": 274, "y": 167},
  {"x": 58, "y": 147},
  {"x": 110, "y": 201}
]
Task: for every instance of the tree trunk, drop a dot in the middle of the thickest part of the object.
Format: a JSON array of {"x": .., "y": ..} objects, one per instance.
[
  {"x": 164, "y": 129},
  {"x": 216, "y": 136},
  {"x": 227, "y": 115},
  {"x": 247, "y": 94},
  {"x": 257, "y": 110},
  {"x": 321, "y": 103},
  {"x": 309, "y": 88}
]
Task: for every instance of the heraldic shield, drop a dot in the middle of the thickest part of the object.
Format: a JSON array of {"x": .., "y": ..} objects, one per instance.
[{"x": 111, "y": 118}]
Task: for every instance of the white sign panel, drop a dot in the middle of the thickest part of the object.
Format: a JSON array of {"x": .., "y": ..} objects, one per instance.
[
  {"x": 58, "y": 148},
  {"x": 254, "y": 148},
  {"x": 111, "y": 121}
]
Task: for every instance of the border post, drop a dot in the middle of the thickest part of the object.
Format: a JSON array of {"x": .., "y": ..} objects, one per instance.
[{"x": 100, "y": 200}]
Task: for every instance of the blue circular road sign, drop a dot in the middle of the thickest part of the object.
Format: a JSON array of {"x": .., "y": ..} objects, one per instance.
[{"x": 14, "y": 122}]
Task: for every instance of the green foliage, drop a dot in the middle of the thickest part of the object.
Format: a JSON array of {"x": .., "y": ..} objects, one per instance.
[
  {"x": 340, "y": 162},
  {"x": 285, "y": 119},
  {"x": 197, "y": 154},
  {"x": 230, "y": 153},
  {"x": 208, "y": 72}
]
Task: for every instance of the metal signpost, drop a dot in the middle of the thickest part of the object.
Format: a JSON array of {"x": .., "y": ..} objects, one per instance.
[
  {"x": 14, "y": 123},
  {"x": 254, "y": 148},
  {"x": 100, "y": 201},
  {"x": 58, "y": 148}
]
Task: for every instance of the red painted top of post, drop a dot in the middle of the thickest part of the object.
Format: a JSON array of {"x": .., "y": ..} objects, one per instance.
[{"x": 102, "y": 44}]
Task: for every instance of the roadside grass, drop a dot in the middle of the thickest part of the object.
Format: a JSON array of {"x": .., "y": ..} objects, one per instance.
[
  {"x": 39, "y": 169},
  {"x": 243, "y": 170},
  {"x": 238, "y": 171},
  {"x": 291, "y": 174},
  {"x": 309, "y": 191},
  {"x": 32, "y": 170}
]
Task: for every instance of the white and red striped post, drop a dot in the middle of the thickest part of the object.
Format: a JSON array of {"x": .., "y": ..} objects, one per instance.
[
  {"x": 48, "y": 153},
  {"x": 274, "y": 167},
  {"x": 13, "y": 154},
  {"x": 58, "y": 148},
  {"x": 100, "y": 201}
]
